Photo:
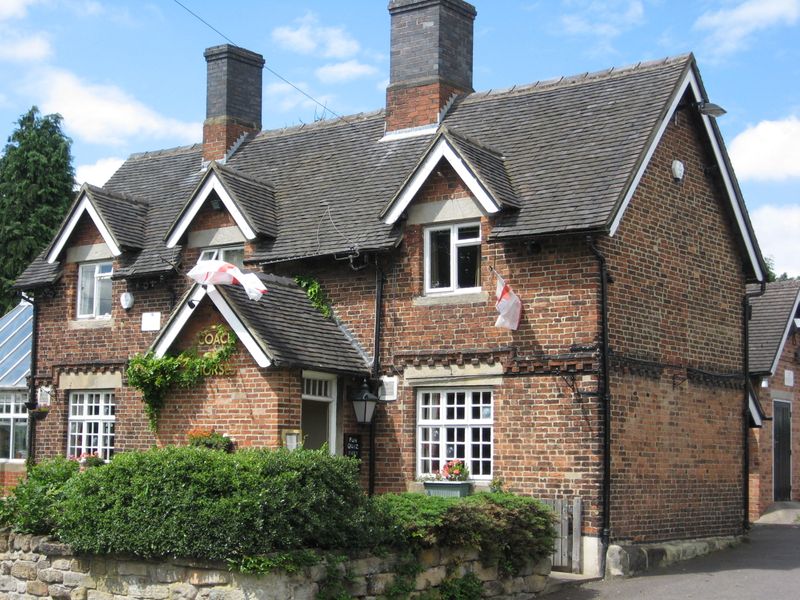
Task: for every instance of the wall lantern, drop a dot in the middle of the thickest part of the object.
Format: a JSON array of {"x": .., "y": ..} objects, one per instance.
[
  {"x": 678, "y": 170},
  {"x": 364, "y": 403},
  {"x": 126, "y": 300}
]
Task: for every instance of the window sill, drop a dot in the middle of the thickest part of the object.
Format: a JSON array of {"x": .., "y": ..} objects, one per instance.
[
  {"x": 98, "y": 323},
  {"x": 456, "y": 298}
]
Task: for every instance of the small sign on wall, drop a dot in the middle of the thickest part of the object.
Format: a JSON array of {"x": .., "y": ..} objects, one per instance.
[
  {"x": 151, "y": 321},
  {"x": 788, "y": 378},
  {"x": 352, "y": 445}
]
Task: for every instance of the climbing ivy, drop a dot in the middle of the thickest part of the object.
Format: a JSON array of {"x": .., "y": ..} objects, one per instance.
[
  {"x": 155, "y": 376},
  {"x": 319, "y": 299}
]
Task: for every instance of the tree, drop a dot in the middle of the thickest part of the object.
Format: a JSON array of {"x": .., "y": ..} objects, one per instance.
[{"x": 36, "y": 188}]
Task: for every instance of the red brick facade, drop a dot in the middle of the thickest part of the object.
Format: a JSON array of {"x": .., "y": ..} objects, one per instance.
[
  {"x": 417, "y": 105},
  {"x": 676, "y": 341}
]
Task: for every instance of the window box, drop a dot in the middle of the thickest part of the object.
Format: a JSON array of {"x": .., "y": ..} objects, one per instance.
[{"x": 448, "y": 489}]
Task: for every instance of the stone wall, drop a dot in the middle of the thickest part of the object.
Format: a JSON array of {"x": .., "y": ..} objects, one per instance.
[{"x": 37, "y": 566}]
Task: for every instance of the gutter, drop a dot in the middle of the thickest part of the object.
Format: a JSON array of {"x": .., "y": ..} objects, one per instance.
[
  {"x": 747, "y": 311},
  {"x": 31, "y": 404},
  {"x": 604, "y": 392}
]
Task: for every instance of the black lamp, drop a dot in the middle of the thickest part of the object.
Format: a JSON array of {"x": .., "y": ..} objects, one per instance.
[{"x": 364, "y": 403}]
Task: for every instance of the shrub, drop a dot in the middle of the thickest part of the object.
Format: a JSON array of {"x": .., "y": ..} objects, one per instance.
[
  {"x": 34, "y": 504},
  {"x": 193, "y": 502},
  {"x": 506, "y": 529},
  {"x": 208, "y": 438}
]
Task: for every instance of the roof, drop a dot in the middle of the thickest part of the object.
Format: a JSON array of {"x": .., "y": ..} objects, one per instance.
[
  {"x": 555, "y": 157},
  {"x": 772, "y": 319},
  {"x": 16, "y": 329},
  {"x": 282, "y": 328}
]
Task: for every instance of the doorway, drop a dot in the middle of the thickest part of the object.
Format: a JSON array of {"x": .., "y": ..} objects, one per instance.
[
  {"x": 318, "y": 412},
  {"x": 782, "y": 449}
]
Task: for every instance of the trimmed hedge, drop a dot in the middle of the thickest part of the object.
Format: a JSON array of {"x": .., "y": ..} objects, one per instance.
[{"x": 199, "y": 503}]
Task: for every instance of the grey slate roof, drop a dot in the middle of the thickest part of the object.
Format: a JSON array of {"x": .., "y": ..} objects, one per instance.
[
  {"x": 292, "y": 332},
  {"x": 16, "y": 329},
  {"x": 124, "y": 216},
  {"x": 39, "y": 274},
  {"x": 770, "y": 322},
  {"x": 564, "y": 151}
]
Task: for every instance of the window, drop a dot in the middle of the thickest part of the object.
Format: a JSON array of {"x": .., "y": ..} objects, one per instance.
[
  {"x": 453, "y": 424},
  {"x": 91, "y": 424},
  {"x": 452, "y": 258},
  {"x": 94, "y": 290},
  {"x": 13, "y": 426},
  {"x": 318, "y": 412},
  {"x": 232, "y": 254}
]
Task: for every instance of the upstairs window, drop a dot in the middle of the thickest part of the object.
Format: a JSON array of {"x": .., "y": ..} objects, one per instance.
[
  {"x": 453, "y": 258},
  {"x": 230, "y": 254},
  {"x": 94, "y": 290}
]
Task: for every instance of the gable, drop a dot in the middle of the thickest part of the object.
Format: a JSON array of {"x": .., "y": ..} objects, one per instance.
[{"x": 84, "y": 220}]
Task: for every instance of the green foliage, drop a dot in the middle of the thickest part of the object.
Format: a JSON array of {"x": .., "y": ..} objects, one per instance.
[
  {"x": 406, "y": 571},
  {"x": 36, "y": 180},
  {"x": 334, "y": 586},
  {"x": 198, "y": 503},
  {"x": 319, "y": 299},
  {"x": 468, "y": 587},
  {"x": 34, "y": 504},
  {"x": 290, "y": 562},
  {"x": 155, "y": 376},
  {"x": 208, "y": 438},
  {"x": 506, "y": 529}
]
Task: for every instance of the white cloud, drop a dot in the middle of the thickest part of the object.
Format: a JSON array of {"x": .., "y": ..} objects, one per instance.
[
  {"x": 105, "y": 114},
  {"x": 776, "y": 228},
  {"x": 308, "y": 37},
  {"x": 15, "y": 9},
  {"x": 730, "y": 29},
  {"x": 99, "y": 172},
  {"x": 285, "y": 98},
  {"x": 603, "y": 19},
  {"x": 768, "y": 151},
  {"x": 344, "y": 71},
  {"x": 18, "y": 48}
]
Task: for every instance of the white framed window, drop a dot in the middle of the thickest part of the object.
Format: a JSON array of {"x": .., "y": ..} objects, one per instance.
[
  {"x": 230, "y": 254},
  {"x": 94, "y": 290},
  {"x": 455, "y": 424},
  {"x": 92, "y": 415},
  {"x": 13, "y": 426},
  {"x": 318, "y": 413},
  {"x": 453, "y": 258}
]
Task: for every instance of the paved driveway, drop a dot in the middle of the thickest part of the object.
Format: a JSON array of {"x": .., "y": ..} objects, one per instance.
[{"x": 767, "y": 567}]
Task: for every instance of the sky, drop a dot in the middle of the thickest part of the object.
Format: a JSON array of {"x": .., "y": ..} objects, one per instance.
[{"x": 129, "y": 75}]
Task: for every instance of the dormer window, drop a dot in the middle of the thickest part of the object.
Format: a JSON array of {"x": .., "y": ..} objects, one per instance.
[
  {"x": 230, "y": 254},
  {"x": 452, "y": 258},
  {"x": 94, "y": 290}
]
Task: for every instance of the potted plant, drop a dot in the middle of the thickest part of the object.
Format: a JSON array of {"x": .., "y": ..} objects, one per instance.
[{"x": 451, "y": 481}]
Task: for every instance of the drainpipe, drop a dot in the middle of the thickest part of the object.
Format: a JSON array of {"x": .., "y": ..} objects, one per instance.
[
  {"x": 604, "y": 393},
  {"x": 376, "y": 369},
  {"x": 31, "y": 404},
  {"x": 746, "y": 313}
]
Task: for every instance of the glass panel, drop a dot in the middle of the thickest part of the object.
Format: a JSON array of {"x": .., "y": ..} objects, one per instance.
[
  {"x": 86, "y": 290},
  {"x": 234, "y": 256},
  {"x": 20, "y": 438},
  {"x": 470, "y": 232},
  {"x": 5, "y": 438},
  {"x": 103, "y": 297},
  {"x": 207, "y": 255},
  {"x": 469, "y": 258},
  {"x": 440, "y": 259}
]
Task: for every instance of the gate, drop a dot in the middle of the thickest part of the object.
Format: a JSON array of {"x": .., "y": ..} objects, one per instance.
[{"x": 567, "y": 552}]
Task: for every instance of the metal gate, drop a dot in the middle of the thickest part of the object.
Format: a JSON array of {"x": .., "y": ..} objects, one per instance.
[
  {"x": 782, "y": 449},
  {"x": 567, "y": 551}
]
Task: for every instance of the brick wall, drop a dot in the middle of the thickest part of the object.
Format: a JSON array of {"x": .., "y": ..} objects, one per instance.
[{"x": 675, "y": 305}]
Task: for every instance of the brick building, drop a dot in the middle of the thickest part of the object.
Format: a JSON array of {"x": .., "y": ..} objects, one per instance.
[
  {"x": 774, "y": 334},
  {"x": 605, "y": 200}
]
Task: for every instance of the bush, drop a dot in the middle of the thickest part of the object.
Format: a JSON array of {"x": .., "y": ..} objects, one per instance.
[
  {"x": 208, "y": 438},
  {"x": 35, "y": 503},
  {"x": 198, "y": 503},
  {"x": 506, "y": 529}
]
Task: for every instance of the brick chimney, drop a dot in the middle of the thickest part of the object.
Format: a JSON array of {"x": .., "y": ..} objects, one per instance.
[
  {"x": 431, "y": 59},
  {"x": 233, "y": 98}
]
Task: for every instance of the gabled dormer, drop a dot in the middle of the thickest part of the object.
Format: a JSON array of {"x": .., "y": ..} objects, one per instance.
[{"x": 248, "y": 201}]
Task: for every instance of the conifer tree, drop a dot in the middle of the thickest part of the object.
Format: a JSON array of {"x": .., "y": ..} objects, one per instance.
[{"x": 36, "y": 188}]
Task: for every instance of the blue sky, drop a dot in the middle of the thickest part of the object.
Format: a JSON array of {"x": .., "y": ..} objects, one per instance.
[{"x": 129, "y": 76}]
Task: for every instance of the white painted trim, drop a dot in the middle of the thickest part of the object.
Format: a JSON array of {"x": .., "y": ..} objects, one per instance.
[
  {"x": 244, "y": 335},
  {"x": 441, "y": 149},
  {"x": 791, "y": 320},
  {"x": 690, "y": 81},
  {"x": 410, "y": 132},
  {"x": 331, "y": 401},
  {"x": 84, "y": 205},
  {"x": 754, "y": 411},
  {"x": 212, "y": 183},
  {"x": 176, "y": 325},
  {"x": 791, "y": 472}
]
